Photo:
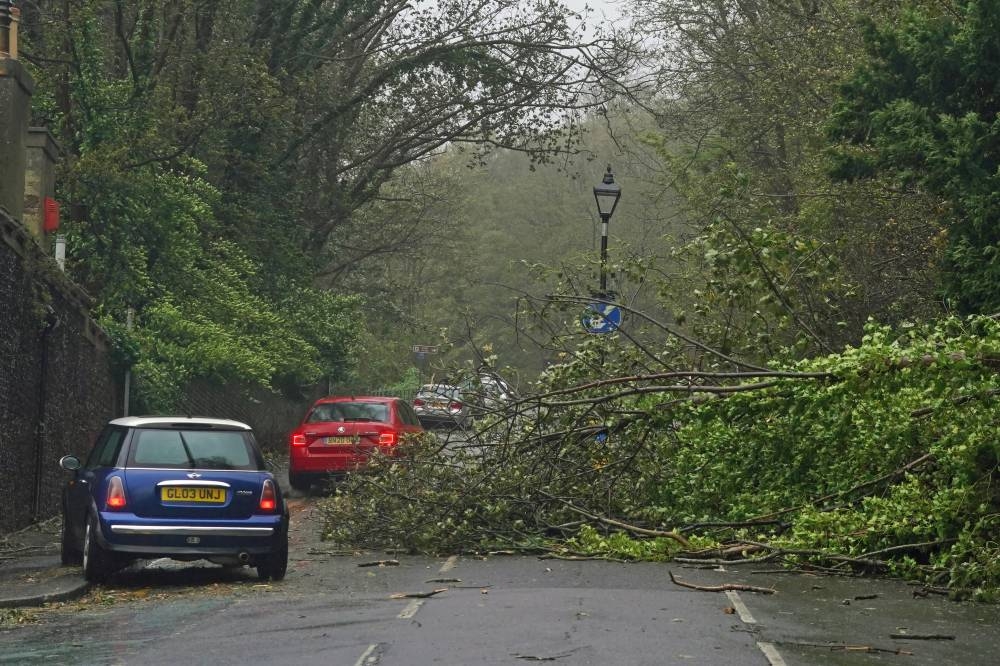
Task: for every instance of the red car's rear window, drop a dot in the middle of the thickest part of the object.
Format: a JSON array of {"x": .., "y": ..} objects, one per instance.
[{"x": 349, "y": 411}]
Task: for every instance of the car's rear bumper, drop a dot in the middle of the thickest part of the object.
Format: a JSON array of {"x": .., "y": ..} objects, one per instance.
[
  {"x": 192, "y": 530},
  {"x": 326, "y": 460},
  {"x": 130, "y": 534}
]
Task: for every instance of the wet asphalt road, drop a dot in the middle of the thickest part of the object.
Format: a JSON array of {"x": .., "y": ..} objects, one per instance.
[{"x": 495, "y": 610}]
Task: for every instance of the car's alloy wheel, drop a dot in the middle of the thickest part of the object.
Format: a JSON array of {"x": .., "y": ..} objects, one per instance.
[
  {"x": 96, "y": 560},
  {"x": 69, "y": 552}
]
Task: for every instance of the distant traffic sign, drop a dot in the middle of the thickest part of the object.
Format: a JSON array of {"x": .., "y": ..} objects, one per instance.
[
  {"x": 601, "y": 317},
  {"x": 425, "y": 349}
]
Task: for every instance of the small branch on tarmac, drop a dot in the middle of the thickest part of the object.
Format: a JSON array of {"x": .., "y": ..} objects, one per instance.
[
  {"x": 380, "y": 563},
  {"x": 848, "y": 647},
  {"x": 922, "y": 637},
  {"x": 418, "y": 595},
  {"x": 735, "y": 587},
  {"x": 331, "y": 553}
]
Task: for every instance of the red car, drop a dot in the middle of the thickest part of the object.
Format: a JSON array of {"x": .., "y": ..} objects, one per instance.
[{"x": 339, "y": 433}]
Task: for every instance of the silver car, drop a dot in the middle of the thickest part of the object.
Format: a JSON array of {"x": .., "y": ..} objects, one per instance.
[{"x": 442, "y": 405}]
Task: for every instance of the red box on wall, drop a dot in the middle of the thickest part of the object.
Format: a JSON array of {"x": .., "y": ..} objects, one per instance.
[{"x": 50, "y": 222}]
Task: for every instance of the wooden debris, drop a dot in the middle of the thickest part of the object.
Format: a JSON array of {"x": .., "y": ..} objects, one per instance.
[
  {"x": 380, "y": 563},
  {"x": 736, "y": 587},
  {"x": 922, "y": 637},
  {"x": 418, "y": 595}
]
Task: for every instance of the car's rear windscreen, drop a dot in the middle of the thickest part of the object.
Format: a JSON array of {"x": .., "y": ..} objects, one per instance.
[
  {"x": 349, "y": 411},
  {"x": 192, "y": 449}
]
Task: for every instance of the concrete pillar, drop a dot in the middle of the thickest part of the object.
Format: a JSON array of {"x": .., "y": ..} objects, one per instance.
[
  {"x": 39, "y": 179},
  {"x": 16, "y": 86}
]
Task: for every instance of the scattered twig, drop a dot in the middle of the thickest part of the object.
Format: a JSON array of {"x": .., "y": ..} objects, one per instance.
[
  {"x": 922, "y": 637},
  {"x": 580, "y": 558},
  {"x": 418, "y": 595},
  {"x": 380, "y": 563},
  {"x": 848, "y": 647},
  {"x": 724, "y": 552},
  {"x": 332, "y": 553},
  {"x": 736, "y": 587},
  {"x": 444, "y": 580}
]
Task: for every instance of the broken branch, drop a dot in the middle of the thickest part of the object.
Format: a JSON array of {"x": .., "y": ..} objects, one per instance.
[{"x": 726, "y": 587}]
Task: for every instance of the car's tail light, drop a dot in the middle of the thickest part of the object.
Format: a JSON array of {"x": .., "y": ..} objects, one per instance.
[
  {"x": 387, "y": 439},
  {"x": 455, "y": 406},
  {"x": 268, "y": 500},
  {"x": 298, "y": 439},
  {"x": 418, "y": 402},
  {"x": 116, "y": 494}
]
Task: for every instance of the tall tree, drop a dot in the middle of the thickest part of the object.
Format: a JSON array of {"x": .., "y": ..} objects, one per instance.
[
  {"x": 923, "y": 110},
  {"x": 777, "y": 254}
]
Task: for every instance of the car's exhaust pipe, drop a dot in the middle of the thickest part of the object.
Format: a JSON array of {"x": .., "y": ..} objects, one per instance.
[{"x": 244, "y": 557}]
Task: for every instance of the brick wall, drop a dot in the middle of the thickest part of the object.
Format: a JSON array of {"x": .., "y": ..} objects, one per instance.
[
  {"x": 58, "y": 389},
  {"x": 56, "y": 385}
]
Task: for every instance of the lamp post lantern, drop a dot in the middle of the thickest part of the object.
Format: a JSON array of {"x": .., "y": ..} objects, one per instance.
[{"x": 607, "y": 194}]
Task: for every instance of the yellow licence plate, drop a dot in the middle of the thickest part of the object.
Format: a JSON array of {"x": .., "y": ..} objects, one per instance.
[
  {"x": 181, "y": 494},
  {"x": 331, "y": 441}
]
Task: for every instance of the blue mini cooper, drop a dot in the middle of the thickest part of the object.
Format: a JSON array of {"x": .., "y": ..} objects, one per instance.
[{"x": 177, "y": 487}]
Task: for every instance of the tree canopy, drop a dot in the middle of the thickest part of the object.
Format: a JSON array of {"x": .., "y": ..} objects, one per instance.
[{"x": 922, "y": 108}]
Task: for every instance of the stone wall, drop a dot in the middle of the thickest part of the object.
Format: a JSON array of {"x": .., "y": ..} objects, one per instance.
[
  {"x": 57, "y": 388},
  {"x": 271, "y": 415}
]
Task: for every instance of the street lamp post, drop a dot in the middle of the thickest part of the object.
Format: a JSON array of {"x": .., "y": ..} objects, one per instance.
[{"x": 607, "y": 194}]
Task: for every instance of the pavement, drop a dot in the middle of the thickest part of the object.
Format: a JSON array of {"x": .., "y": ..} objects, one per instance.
[{"x": 31, "y": 573}]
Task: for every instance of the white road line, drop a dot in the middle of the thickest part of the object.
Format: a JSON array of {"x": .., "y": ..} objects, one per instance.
[
  {"x": 771, "y": 652},
  {"x": 740, "y": 607},
  {"x": 366, "y": 658},
  {"x": 411, "y": 609}
]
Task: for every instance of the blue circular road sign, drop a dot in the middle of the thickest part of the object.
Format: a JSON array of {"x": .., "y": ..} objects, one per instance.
[{"x": 601, "y": 317}]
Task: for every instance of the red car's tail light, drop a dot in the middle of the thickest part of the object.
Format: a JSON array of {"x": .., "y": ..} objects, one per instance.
[
  {"x": 116, "y": 494},
  {"x": 268, "y": 500},
  {"x": 418, "y": 403},
  {"x": 455, "y": 406},
  {"x": 387, "y": 439},
  {"x": 298, "y": 440}
]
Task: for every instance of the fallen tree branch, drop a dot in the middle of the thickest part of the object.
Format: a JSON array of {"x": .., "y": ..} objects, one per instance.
[
  {"x": 380, "y": 563},
  {"x": 735, "y": 525},
  {"x": 922, "y": 637},
  {"x": 418, "y": 595},
  {"x": 723, "y": 552},
  {"x": 819, "y": 500},
  {"x": 846, "y": 647},
  {"x": 726, "y": 587},
  {"x": 625, "y": 526}
]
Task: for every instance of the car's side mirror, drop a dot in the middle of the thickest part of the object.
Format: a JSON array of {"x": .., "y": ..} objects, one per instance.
[{"x": 70, "y": 463}]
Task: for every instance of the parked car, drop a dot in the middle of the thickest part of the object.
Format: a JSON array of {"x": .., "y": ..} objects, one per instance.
[
  {"x": 496, "y": 392},
  {"x": 338, "y": 434},
  {"x": 445, "y": 405},
  {"x": 177, "y": 487}
]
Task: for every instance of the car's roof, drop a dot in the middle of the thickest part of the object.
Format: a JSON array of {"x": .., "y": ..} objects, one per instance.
[
  {"x": 178, "y": 422},
  {"x": 438, "y": 387},
  {"x": 357, "y": 398}
]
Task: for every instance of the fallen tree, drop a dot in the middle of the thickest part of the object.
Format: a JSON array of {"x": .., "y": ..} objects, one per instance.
[{"x": 854, "y": 463}]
